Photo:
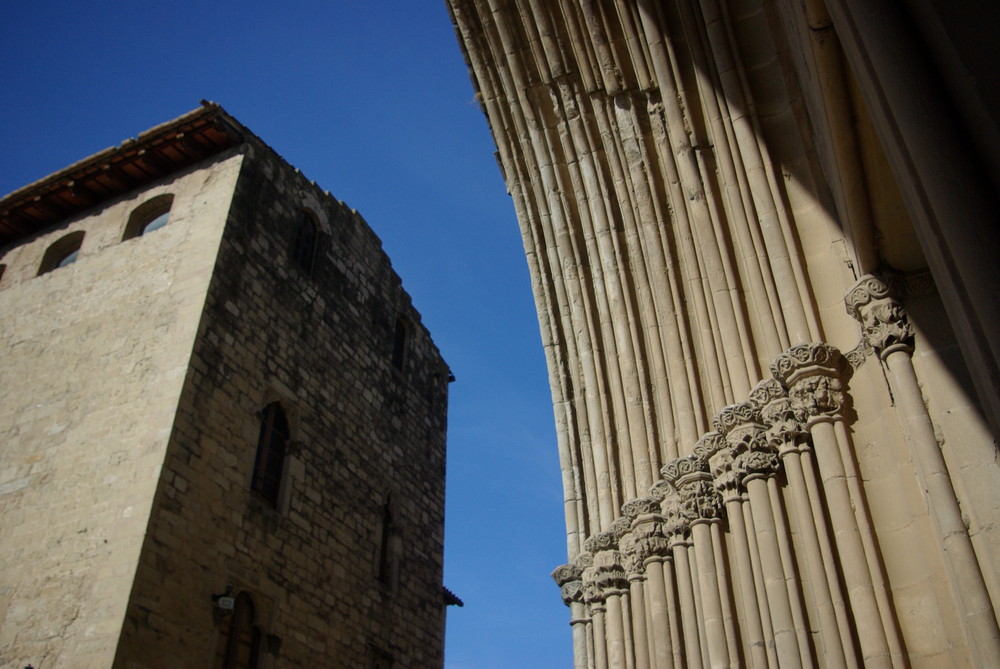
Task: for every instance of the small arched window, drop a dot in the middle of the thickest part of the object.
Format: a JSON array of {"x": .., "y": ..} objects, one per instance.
[
  {"x": 63, "y": 252},
  {"x": 305, "y": 242},
  {"x": 270, "y": 459},
  {"x": 149, "y": 216}
]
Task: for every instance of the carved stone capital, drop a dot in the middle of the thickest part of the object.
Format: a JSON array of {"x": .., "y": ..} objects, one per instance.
[
  {"x": 631, "y": 560},
  {"x": 676, "y": 521},
  {"x": 884, "y": 323},
  {"x": 650, "y": 538},
  {"x": 568, "y": 578},
  {"x": 678, "y": 468},
  {"x": 754, "y": 458},
  {"x": 697, "y": 495},
  {"x": 814, "y": 375},
  {"x": 817, "y": 397},
  {"x": 785, "y": 429},
  {"x": 620, "y": 527},
  {"x": 725, "y": 477}
]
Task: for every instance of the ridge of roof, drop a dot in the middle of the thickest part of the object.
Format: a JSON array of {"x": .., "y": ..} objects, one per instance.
[{"x": 161, "y": 150}]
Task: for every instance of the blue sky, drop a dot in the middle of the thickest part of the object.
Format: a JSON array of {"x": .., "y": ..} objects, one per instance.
[{"x": 372, "y": 101}]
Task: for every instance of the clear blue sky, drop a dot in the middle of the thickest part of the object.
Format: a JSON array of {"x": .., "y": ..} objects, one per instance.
[{"x": 373, "y": 102}]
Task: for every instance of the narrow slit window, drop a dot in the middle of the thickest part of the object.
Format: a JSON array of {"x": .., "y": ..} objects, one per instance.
[
  {"x": 305, "y": 243},
  {"x": 399, "y": 343},
  {"x": 271, "y": 446}
]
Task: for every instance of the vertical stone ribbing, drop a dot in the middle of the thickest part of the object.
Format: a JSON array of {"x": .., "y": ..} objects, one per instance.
[{"x": 680, "y": 237}]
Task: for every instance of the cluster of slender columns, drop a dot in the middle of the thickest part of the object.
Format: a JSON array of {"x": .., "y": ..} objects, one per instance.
[
  {"x": 691, "y": 206},
  {"x": 708, "y": 569}
]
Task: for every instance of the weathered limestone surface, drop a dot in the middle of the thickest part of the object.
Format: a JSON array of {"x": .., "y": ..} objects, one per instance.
[
  {"x": 134, "y": 382},
  {"x": 702, "y": 188}
]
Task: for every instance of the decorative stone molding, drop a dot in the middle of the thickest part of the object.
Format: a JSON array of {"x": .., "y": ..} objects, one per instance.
[
  {"x": 884, "y": 323},
  {"x": 739, "y": 422},
  {"x": 857, "y": 355},
  {"x": 709, "y": 444},
  {"x": 766, "y": 391},
  {"x": 639, "y": 507},
  {"x": 658, "y": 491},
  {"x": 806, "y": 359}
]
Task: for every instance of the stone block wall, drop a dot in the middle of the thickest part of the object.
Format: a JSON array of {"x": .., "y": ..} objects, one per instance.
[
  {"x": 364, "y": 434},
  {"x": 93, "y": 357}
]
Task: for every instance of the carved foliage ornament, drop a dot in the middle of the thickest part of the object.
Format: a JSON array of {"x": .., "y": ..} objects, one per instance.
[{"x": 884, "y": 323}]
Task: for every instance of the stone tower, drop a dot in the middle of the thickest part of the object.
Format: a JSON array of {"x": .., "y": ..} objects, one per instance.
[
  {"x": 222, "y": 424},
  {"x": 763, "y": 240}
]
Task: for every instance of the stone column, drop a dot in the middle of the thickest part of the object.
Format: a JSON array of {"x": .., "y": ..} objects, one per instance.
[
  {"x": 701, "y": 504},
  {"x": 569, "y": 579},
  {"x": 606, "y": 584},
  {"x": 651, "y": 550},
  {"x": 732, "y": 493},
  {"x": 813, "y": 374},
  {"x": 887, "y": 330},
  {"x": 755, "y": 463},
  {"x": 677, "y": 528},
  {"x": 785, "y": 434}
]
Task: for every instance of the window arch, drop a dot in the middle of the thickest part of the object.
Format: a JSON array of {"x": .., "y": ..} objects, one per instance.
[
  {"x": 149, "y": 216},
  {"x": 62, "y": 252},
  {"x": 306, "y": 241},
  {"x": 270, "y": 460},
  {"x": 243, "y": 638}
]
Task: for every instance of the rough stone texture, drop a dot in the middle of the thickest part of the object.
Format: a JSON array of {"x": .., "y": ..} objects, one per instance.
[{"x": 134, "y": 381}]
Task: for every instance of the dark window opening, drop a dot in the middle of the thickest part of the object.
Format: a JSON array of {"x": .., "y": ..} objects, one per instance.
[
  {"x": 385, "y": 544},
  {"x": 149, "y": 216},
  {"x": 270, "y": 460},
  {"x": 399, "y": 343},
  {"x": 306, "y": 241},
  {"x": 243, "y": 640},
  {"x": 63, "y": 252}
]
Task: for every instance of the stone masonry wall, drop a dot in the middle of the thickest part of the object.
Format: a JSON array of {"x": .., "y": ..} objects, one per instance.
[
  {"x": 92, "y": 360},
  {"x": 363, "y": 432}
]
